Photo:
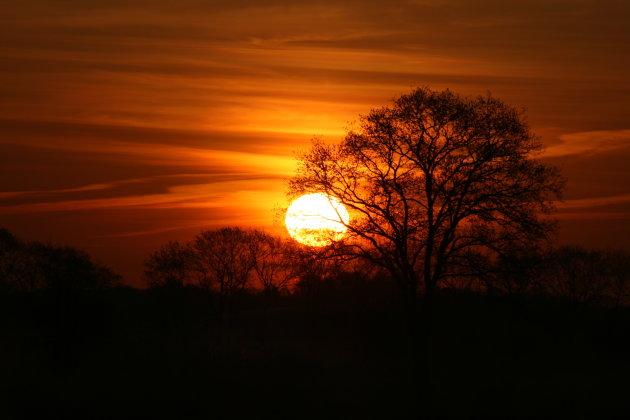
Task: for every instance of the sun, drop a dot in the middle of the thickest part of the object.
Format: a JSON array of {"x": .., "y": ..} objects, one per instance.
[{"x": 317, "y": 219}]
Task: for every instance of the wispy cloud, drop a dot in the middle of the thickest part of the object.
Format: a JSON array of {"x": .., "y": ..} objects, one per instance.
[
  {"x": 595, "y": 202},
  {"x": 589, "y": 142},
  {"x": 253, "y": 196},
  {"x": 84, "y": 188},
  {"x": 615, "y": 207},
  {"x": 173, "y": 155}
]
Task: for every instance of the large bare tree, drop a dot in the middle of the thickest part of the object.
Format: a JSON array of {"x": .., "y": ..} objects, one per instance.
[{"x": 433, "y": 180}]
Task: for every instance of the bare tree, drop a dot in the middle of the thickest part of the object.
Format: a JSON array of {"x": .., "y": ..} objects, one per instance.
[
  {"x": 67, "y": 268},
  {"x": 168, "y": 266},
  {"x": 226, "y": 260},
  {"x": 433, "y": 180},
  {"x": 618, "y": 266},
  {"x": 28, "y": 266},
  {"x": 274, "y": 263},
  {"x": 587, "y": 276},
  {"x": 223, "y": 257},
  {"x": 516, "y": 273}
]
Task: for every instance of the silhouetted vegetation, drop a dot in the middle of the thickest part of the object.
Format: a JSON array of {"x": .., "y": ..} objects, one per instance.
[
  {"x": 432, "y": 182},
  {"x": 227, "y": 260},
  {"x": 259, "y": 262},
  {"x": 34, "y": 266},
  {"x": 529, "y": 337},
  {"x": 572, "y": 273}
]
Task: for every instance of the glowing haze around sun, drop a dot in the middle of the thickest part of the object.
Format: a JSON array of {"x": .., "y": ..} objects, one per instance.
[{"x": 317, "y": 219}]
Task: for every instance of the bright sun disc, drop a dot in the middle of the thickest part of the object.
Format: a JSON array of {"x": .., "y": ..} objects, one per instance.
[{"x": 317, "y": 219}]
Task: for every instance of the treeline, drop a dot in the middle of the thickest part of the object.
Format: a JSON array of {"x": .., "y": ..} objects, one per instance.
[
  {"x": 578, "y": 274},
  {"x": 231, "y": 260},
  {"x": 30, "y": 266},
  {"x": 234, "y": 260}
]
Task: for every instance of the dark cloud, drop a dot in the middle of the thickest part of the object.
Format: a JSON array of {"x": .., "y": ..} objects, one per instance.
[{"x": 19, "y": 132}]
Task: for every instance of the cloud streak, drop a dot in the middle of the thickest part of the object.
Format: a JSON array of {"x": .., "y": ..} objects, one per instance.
[{"x": 589, "y": 142}]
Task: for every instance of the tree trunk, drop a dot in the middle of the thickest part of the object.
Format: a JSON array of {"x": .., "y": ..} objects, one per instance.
[{"x": 408, "y": 285}]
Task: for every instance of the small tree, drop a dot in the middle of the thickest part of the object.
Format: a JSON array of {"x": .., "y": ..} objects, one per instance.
[
  {"x": 28, "y": 266},
  {"x": 274, "y": 263},
  {"x": 433, "y": 180},
  {"x": 223, "y": 257},
  {"x": 67, "y": 268},
  {"x": 587, "y": 275},
  {"x": 168, "y": 266}
]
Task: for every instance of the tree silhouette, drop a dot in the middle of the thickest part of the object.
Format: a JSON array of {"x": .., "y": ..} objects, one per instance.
[
  {"x": 18, "y": 268},
  {"x": 226, "y": 260},
  {"x": 618, "y": 268},
  {"x": 35, "y": 265},
  {"x": 432, "y": 181},
  {"x": 223, "y": 257},
  {"x": 587, "y": 276},
  {"x": 67, "y": 268},
  {"x": 169, "y": 265},
  {"x": 515, "y": 272},
  {"x": 274, "y": 261}
]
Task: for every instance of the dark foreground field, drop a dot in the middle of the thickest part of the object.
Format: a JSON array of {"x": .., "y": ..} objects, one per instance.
[{"x": 182, "y": 353}]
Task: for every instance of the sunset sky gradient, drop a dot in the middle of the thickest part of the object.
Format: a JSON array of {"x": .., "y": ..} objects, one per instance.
[{"x": 124, "y": 124}]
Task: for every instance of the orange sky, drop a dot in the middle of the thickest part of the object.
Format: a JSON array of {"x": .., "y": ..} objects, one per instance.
[{"x": 124, "y": 124}]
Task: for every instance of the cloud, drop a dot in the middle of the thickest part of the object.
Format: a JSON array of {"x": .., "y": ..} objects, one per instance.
[
  {"x": 84, "y": 188},
  {"x": 589, "y": 142},
  {"x": 594, "y": 202},
  {"x": 225, "y": 65},
  {"x": 254, "y": 196},
  {"x": 616, "y": 207},
  {"x": 160, "y": 154}
]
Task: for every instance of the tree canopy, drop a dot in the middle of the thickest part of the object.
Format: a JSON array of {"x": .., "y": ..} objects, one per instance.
[
  {"x": 432, "y": 182},
  {"x": 28, "y": 266},
  {"x": 227, "y": 260}
]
